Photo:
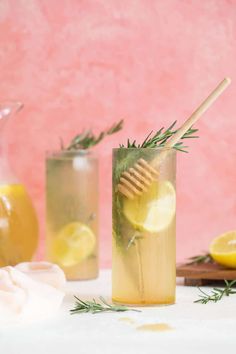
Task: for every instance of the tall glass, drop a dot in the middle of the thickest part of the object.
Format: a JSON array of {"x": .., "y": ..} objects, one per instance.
[
  {"x": 143, "y": 259},
  {"x": 72, "y": 212}
]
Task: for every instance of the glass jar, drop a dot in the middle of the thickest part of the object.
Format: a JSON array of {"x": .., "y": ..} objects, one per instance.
[
  {"x": 143, "y": 257},
  {"x": 72, "y": 212}
]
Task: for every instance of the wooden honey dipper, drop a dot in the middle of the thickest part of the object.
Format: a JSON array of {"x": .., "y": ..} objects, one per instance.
[{"x": 137, "y": 179}]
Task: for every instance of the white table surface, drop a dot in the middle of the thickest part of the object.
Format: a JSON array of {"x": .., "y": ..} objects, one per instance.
[{"x": 196, "y": 328}]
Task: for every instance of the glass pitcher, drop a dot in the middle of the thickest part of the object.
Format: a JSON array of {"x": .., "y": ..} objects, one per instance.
[{"x": 18, "y": 221}]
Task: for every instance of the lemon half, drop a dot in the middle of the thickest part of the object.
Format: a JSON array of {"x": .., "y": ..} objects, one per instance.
[
  {"x": 223, "y": 249},
  {"x": 73, "y": 244},
  {"x": 154, "y": 210}
]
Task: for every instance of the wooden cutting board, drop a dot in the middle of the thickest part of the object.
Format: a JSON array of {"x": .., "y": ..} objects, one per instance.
[{"x": 204, "y": 274}]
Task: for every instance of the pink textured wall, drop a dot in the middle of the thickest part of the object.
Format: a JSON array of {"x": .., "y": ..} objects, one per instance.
[{"x": 87, "y": 63}]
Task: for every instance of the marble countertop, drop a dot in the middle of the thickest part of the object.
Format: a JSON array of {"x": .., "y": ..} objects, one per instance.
[{"x": 190, "y": 327}]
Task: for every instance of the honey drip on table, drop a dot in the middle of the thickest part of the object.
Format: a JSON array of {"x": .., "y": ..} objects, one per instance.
[
  {"x": 127, "y": 320},
  {"x": 155, "y": 327}
]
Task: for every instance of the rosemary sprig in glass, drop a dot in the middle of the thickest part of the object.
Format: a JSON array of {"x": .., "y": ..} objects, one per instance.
[
  {"x": 161, "y": 137},
  {"x": 87, "y": 139},
  {"x": 82, "y": 306},
  {"x": 217, "y": 294},
  {"x": 124, "y": 162},
  {"x": 200, "y": 259}
]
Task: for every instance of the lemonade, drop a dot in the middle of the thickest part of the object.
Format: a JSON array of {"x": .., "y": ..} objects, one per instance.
[
  {"x": 18, "y": 225},
  {"x": 143, "y": 269},
  {"x": 72, "y": 213}
]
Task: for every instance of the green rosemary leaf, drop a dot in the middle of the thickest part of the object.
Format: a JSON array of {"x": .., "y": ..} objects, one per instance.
[
  {"x": 96, "y": 307},
  {"x": 144, "y": 142},
  {"x": 114, "y": 128},
  {"x": 182, "y": 150},
  {"x": 191, "y": 137},
  {"x": 192, "y": 130},
  {"x": 61, "y": 143},
  {"x": 172, "y": 125},
  {"x": 87, "y": 139},
  {"x": 202, "y": 258}
]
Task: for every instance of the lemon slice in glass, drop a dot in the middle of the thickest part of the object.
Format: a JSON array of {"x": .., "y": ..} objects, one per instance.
[
  {"x": 223, "y": 249},
  {"x": 73, "y": 244},
  {"x": 154, "y": 210}
]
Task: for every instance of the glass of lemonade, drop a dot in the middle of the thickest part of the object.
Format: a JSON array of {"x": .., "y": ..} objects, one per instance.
[
  {"x": 143, "y": 259},
  {"x": 72, "y": 212}
]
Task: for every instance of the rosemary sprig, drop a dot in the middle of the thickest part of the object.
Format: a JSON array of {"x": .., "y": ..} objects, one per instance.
[
  {"x": 87, "y": 139},
  {"x": 217, "y": 293},
  {"x": 93, "y": 307},
  {"x": 200, "y": 259},
  {"x": 160, "y": 138}
]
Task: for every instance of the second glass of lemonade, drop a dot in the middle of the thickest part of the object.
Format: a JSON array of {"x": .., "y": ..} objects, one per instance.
[
  {"x": 72, "y": 212},
  {"x": 143, "y": 260}
]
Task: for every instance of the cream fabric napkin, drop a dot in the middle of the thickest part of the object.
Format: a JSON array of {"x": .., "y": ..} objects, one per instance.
[{"x": 30, "y": 292}]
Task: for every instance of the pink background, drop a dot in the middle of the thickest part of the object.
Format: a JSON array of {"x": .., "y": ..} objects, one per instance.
[{"x": 88, "y": 63}]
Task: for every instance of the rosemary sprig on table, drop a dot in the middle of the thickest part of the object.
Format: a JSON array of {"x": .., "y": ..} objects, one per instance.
[
  {"x": 161, "y": 137},
  {"x": 216, "y": 294},
  {"x": 82, "y": 306},
  {"x": 200, "y": 259},
  {"x": 87, "y": 139}
]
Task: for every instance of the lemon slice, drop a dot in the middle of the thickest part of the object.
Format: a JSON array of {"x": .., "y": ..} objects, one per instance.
[
  {"x": 73, "y": 244},
  {"x": 154, "y": 210},
  {"x": 223, "y": 249}
]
